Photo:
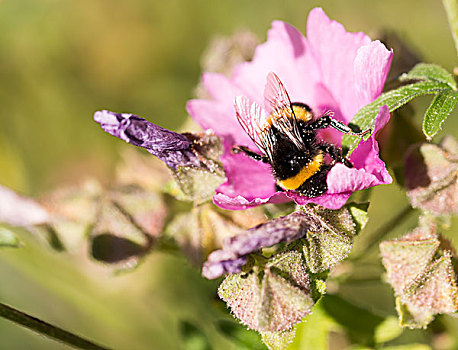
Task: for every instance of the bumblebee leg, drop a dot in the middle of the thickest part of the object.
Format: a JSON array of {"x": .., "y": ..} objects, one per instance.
[
  {"x": 326, "y": 120},
  {"x": 335, "y": 153},
  {"x": 250, "y": 153}
]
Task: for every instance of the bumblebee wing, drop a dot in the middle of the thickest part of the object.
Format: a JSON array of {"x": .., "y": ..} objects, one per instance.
[
  {"x": 278, "y": 106},
  {"x": 253, "y": 120}
]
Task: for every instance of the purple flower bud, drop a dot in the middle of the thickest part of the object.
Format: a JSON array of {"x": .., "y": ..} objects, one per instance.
[{"x": 172, "y": 148}]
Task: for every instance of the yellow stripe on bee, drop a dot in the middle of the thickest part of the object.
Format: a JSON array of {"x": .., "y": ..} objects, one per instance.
[
  {"x": 306, "y": 172},
  {"x": 302, "y": 114}
]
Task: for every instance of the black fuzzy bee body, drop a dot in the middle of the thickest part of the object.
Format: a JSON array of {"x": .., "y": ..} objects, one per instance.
[{"x": 288, "y": 140}]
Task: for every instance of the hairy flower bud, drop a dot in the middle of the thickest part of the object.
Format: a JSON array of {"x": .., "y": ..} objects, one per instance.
[
  {"x": 422, "y": 276},
  {"x": 431, "y": 176},
  {"x": 271, "y": 298}
]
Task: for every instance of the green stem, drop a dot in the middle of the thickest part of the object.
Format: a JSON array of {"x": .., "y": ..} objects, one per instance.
[
  {"x": 451, "y": 8},
  {"x": 46, "y": 329}
]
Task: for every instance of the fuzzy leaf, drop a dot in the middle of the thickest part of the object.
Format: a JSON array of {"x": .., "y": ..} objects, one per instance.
[
  {"x": 406, "y": 258},
  {"x": 278, "y": 340},
  {"x": 434, "y": 292},
  {"x": 365, "y": 118},
  {"x": 198, "y": 183},
  {"x": 428, "y": 71},
  {"x": 8, "y": 238},
  {"x": 330, "y": 239},
  {"x": 271, "y": 299},
  {"x": 422, "y": 276},
  {"x": 441, "y": 107},
  {"x": 431, "y": 176}
]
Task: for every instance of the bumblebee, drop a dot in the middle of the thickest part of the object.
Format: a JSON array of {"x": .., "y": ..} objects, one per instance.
[{"x": 287, "y": 137}]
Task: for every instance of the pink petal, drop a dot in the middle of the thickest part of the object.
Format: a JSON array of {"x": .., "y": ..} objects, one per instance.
[
  {"x": 340, "y": 63},
  {"x": 245, "y": 176},
  {"x": 240, "y": 203},
  {"x": 328, "y": 200},
  {"x": 285, "y": 53},
  {"x": 371, "y": 67},
  {"x": 369, "y": 169},
  {"x": 220, "y": 118}
]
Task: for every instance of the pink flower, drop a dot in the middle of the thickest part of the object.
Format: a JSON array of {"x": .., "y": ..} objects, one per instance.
[{"x": 331, "y": 69}]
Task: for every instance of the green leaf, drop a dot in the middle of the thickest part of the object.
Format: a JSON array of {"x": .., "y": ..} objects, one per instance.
[
  {"x": 314, "y": 331},
  {"x": 408, "y": 347},
  {"x": 329, "y": 241},
  {"x": 365, "y": 118},
  {"x": 387, "y": 330},
  {"x": 360, "y": 324},
  {"x": 244, "y": 338},
  {"x": 441, "y": 107},
  {"x": 359, "y": 213},
  {"x": 432, "y": 72},
  {"x": 194, "y": 338},
  {"x": 8, "y": 238},
  {"x": 278, "y": 340}
]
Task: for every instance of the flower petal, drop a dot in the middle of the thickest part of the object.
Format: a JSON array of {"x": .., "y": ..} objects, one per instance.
[
  {"x": 371, "y": 67},
  {"x": 285, "y": 53},
  {"x": 328, "y": 200},
  {"x": 341, "y": 62}
]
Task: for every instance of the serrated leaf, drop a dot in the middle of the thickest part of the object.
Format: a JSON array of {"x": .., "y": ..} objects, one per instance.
[
  {"x": 266, "y": 301},
  {"x": 8, "y": 238},
  {"x": 428, "y": 71},
  {"x": 330, "y": 240},
  {"x": 441, "y": 107},
  {"x": 365, "y": 118}
]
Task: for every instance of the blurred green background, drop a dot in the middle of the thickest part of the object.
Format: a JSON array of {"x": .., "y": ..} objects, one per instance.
[{"x": 62, "y": 60}]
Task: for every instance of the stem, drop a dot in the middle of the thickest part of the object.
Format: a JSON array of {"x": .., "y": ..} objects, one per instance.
[
  {"x": 386, "y": 228},
  {"x": 46, "y": 329},
  {"x": 451, "y": 8}
]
